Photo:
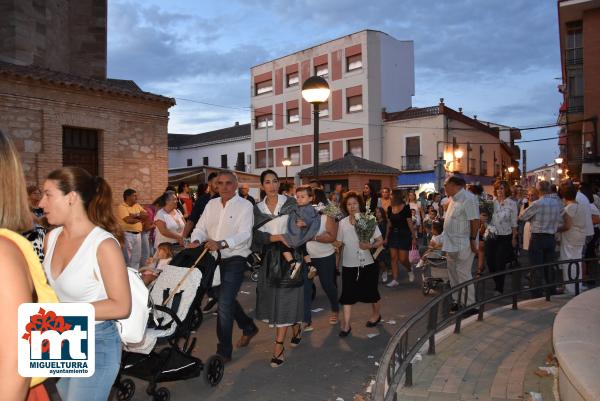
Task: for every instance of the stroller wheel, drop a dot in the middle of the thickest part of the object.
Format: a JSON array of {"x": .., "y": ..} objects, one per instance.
[
  {"x": 162, "y": 394},
  {"x": 254, "y": 276},
  {"x": 426, "y": 290},
  {"x": 196, "y": 320},
  {"x": 213, "y": 370},
  {"x": 125, "y": 390}
]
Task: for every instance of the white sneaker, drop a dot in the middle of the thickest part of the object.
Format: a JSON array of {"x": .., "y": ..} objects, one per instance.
[
  {"x": 392, "y": 284},
  {"x": 384, "y": 276},
  {"x": 411, "y": 276}
]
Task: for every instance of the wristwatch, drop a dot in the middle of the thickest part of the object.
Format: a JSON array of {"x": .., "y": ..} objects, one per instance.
[{"x": 223, "y": 244}]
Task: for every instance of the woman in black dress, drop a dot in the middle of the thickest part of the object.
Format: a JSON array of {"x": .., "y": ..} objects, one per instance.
[{"x": 400, "y": 236}]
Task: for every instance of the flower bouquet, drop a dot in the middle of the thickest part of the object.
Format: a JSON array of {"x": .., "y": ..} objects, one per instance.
[
  {"x": 331, "y": 210},
  {"x": 365, "y": 226}
]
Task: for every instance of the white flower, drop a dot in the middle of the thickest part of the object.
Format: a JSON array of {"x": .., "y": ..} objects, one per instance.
[{"x": 357, "y": 216}]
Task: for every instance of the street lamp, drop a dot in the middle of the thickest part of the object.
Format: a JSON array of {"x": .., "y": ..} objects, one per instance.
[
  {"x": 315, "y": 90},
  {"x": 559, "y": 171},
  {"x": 511, "y": 169},
  {"x": 458, "y": 153},
  {"x": 558, "y": 160},
  {"x": 286, "y": 163}
]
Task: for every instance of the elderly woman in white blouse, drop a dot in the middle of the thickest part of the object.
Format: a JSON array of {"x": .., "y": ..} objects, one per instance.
[
  {"x": 502, "y": 233},
  {"x": 359, "y": 272},
  {"x": 169, "y": 220}
]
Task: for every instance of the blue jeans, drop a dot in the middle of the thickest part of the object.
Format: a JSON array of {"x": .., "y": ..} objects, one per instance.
[
  {"x": 542, "y": 250},
  {"x": 232, "y": 275},
  {"x": 146, "y": 249},
  {"x": 326, "y": 271},
  {"x": 108, "y": 360}
]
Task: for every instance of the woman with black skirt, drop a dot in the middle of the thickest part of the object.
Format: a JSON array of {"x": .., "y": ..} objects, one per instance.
[
  {"x": 400, "y": 237},
  {"x": 359, "y": 272}
]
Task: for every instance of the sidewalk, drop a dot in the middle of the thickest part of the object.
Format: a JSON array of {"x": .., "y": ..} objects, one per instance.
[
  {"x": 492, "y": 360},
  {"x": 324, "y": 367}
]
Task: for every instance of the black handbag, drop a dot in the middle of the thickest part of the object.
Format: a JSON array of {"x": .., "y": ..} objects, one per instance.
[{"x": 278, "y": 272}]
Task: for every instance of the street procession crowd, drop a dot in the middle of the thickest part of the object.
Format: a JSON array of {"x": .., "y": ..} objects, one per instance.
[{"x": 64, "y": 242}]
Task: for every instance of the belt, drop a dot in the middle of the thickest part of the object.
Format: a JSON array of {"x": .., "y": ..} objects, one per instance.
[
  {"x": 133, "y": 232},
  {"x": 234, "y": 259},
  {"x": 542, "y": 234}
]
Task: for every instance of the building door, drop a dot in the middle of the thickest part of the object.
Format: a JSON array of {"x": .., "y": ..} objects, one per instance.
[{"x": 80, "y": 148}]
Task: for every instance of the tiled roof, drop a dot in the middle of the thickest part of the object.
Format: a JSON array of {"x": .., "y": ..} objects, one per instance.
[
  {"x": 413, "y": 112},
  {"x": 114, "y": 86},
  {"x": 236, "y": 133},
  {"x": 351, "y": 164}
]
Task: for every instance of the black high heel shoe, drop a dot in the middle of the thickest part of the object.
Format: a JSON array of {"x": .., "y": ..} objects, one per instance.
[
  {"x": 276, "y": 361},
  {"x": 344, "y": 333},
  {"x": 296, "y": 338},
  {"x": 373, "y": 324}
]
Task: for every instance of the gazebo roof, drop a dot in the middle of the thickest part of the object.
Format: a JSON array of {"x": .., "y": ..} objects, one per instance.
[{"x": 351, "y": 164}]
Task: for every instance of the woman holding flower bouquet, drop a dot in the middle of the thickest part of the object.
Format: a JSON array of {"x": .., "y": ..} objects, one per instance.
[
  {"x": 358, "y": 234},
  {"x": 401, "y": 236}
]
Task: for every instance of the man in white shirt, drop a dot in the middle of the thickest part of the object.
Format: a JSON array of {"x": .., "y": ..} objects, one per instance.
[
  {"x": 461, "y": 224},
  {"x": 226, "y": 225}
]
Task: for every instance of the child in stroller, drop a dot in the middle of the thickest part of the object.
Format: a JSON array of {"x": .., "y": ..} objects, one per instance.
[
  {"x": 433, "y": 261},
  {"x": 153, "y": 266},
  {"x": 165, "y": 353}
]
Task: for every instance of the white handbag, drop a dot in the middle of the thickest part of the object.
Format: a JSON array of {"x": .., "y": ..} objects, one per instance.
[{"x": 132, "y": 329}]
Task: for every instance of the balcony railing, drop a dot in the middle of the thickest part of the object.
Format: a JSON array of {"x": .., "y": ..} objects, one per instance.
[
  {"x": 575, "y": 104},
  {"x": 411, "y": 162},
  {"x": 483, "y": 168},
  {"x": 574, "y": 56}
]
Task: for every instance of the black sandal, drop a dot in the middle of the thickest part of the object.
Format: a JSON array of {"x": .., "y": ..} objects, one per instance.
[
  {"x": 296, "y": 338},
  {"x": 276, "y": 361}
]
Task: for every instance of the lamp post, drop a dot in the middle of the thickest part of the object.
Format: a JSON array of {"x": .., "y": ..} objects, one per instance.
[
  {"x": 315, "y": 90},
  {"x": 286, "y": 163},
  {"x": 458, "y": 154}
]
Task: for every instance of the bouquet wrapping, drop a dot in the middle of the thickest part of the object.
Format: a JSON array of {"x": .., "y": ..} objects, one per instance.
[{"x": 365, "y": 226}]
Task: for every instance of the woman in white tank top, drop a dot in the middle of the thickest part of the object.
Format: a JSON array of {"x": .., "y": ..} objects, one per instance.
[{"x": 84, "y": 263}]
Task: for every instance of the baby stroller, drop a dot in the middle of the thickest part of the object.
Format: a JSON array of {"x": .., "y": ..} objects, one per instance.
[
  {"x": 434, "y": 272},
  {"x": 254, "y": 261},
  {"x": 165, "y": 354}
]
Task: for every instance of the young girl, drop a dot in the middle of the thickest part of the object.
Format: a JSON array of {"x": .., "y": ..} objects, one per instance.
[
  {"x": 434, "y": 249},
  {"x": 302, "y": 225},
  {"x": 152, "y": 269}
]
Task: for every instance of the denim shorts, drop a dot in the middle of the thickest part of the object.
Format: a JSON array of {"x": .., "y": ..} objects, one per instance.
[{"x": 108, "y": 361}]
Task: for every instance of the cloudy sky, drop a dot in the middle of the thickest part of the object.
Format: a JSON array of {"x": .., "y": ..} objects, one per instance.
[{"x": 496, "y": 59}]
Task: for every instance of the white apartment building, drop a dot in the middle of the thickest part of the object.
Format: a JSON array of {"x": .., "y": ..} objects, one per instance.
[
  {"x": 367, "y": 71},
  {"x": 228, "y": 148}
]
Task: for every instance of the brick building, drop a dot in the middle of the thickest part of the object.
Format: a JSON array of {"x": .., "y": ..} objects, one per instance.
[
  {"x": 579, "y": 35},
  {"x": 59, "y": 107},
  {"x": 367, "y": 71}
]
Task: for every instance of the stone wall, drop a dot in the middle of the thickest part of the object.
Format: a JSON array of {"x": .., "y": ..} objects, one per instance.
[
  {"x": 132, "y": 140},
  {"x": 61, "y": 35}
]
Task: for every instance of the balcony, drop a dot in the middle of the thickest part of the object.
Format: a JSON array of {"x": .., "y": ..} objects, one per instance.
[
  {"x": 483, "y": 168},
  {"x": 411, "y": 162},
  {"x": 574, "y": 56},
  {"x": 575, "y": 104}
]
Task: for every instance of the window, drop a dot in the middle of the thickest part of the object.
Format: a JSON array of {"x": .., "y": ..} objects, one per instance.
[
  {"x": 264, "y": 121},
  {"x": 354, "y": 62},
  {"x": 323, "y": 109},
  {"x": 324, "y": 152},
  {"x": 240, "y": 164},
  {"x": 223, "y": 161},
  {"x": 263, "y": 87},
  {"x": 322, "y": 70},
  {"x": 261, "y": 158},
  {"x": 80, "y": 148},
  {"x": 575, "y": 89},
  {"x": 355, "y": 146},
  {"x": 293, "y": 153},
  {"x": 292, "y": 79},
  {"x": 189, "y": 162},
  {"x": 354, "y": 104},
  {"x": 574, "y": 45},
  {"x": 205, "y": 161},
  {"x": 293, "y": 116},
  {"x": 412, "y": 160}
]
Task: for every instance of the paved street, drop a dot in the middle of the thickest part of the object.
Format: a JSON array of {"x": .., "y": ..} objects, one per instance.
[{"x": 323, "y": 367}]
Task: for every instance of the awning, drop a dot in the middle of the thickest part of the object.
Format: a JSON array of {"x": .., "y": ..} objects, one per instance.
[
  {"x": 422, "y": 177},
  {"x": 477, "y": 179}
]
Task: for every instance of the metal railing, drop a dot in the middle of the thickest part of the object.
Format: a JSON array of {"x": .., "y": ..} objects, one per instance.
[
  {"x": 411, "y": 162},
  {"x": 421, "y": 327}
]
